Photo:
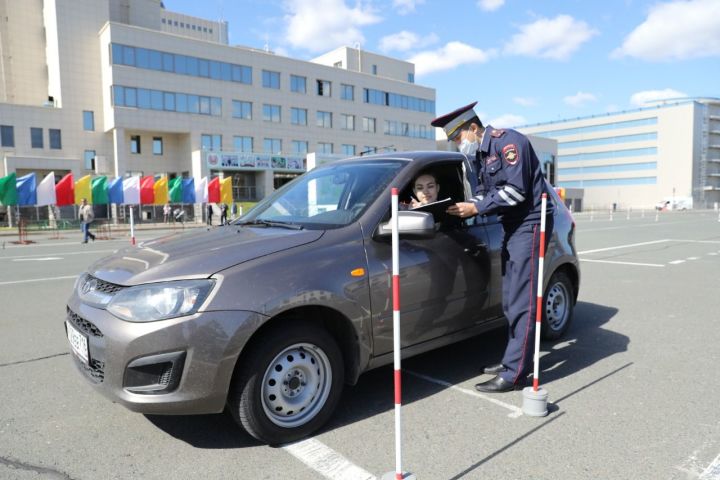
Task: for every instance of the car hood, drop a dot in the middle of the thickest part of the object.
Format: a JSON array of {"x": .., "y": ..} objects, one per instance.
[{"x": 197, "y": 254}]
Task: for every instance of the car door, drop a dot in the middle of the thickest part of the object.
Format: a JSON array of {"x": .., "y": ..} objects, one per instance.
[{"x": 444, "y": 284}]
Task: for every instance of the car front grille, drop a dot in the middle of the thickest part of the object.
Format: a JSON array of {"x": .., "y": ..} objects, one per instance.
[
  {"x": 106, "y": 287},
  {"x": 83, "y": 325},
  {"x": 95, "y": 368}
]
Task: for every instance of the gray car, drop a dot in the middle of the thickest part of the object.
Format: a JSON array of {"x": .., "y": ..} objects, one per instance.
[{"x": 270, "y": 316}]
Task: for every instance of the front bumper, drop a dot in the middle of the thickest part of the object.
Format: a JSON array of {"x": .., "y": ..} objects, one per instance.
[{"x": 192, "y": 358}]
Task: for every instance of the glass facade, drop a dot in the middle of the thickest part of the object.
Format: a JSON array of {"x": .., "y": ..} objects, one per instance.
[
  {"x": 625, "y": 167},
  {"x": 404, "y": 129},
  {"x": 631, "y": 152},
  {"x": 405, "y": 102},
  {"x": 598, "y": 128},
  {"x": 179, "y": 64},
  {"x": 608, "y": 182},
  {"x": 640, "y": 137},
  {"x": 144, "y": 98}
]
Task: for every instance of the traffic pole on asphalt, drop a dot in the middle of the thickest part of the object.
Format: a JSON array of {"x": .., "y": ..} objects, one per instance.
[
  {"x": 132, "y": 227},
  {"x": 535, "y": 398},
  {"x": 398, "y": 474}
]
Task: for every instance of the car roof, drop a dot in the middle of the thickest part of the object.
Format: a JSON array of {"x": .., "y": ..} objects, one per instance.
[{"x": 421, "y": 157}]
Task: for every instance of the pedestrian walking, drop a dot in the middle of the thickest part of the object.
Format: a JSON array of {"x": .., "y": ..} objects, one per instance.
[{"x": 86, "y": 218}]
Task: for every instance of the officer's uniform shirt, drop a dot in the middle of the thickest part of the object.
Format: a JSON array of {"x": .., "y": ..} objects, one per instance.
[{"x": 510, "y": 180}]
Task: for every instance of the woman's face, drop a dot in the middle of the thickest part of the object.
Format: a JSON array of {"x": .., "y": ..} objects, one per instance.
[{"x": 425, "y": 189}]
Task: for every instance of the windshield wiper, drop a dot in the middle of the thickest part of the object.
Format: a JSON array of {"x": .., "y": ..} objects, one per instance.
[{"x": 271, "y": 223}]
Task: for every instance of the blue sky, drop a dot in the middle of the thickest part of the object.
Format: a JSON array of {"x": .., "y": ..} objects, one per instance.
[{"x": 524, "y": 61}]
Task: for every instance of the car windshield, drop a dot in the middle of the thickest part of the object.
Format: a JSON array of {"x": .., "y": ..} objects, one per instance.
[{"x": 331, "y": 196}]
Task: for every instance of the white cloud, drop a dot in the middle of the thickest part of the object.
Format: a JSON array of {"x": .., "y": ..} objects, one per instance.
[
  {"x": 322, "y": 25},
  {"x": 556, "y": 38},
  {"x": 579, "y": 99},
  {"x": 490, "y": 5},
  {"x": 647, "y": 97},
  {"x": 507, "y": 120},
  {"x": 525, "y": 102},
  {"x": 403, "y": 7},
  {"x": 403, "y": 41},
  {"x": 452, "y": 55},
  {"x": 676, "y": 30}
]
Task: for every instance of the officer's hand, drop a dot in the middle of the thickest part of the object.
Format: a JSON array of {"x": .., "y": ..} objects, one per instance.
[{"x": 462, "y": 209}]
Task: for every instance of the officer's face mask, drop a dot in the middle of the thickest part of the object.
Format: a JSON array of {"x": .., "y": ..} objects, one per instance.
[{"x": 468, "y": 148}]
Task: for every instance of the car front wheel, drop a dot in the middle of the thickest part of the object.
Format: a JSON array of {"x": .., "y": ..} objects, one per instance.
[
  {"x": 288, "y": 384},
  {"x": 558, "y": 306}
]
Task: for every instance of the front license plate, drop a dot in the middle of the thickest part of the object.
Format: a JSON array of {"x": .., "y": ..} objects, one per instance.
[{"x": 78, "y": 342}]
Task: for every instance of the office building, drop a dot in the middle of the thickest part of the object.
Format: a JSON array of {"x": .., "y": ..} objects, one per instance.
[{"x": 126, "y": 87}]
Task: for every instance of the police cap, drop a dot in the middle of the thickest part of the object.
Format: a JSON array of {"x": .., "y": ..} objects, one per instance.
[{"x": 452, "y": 122}]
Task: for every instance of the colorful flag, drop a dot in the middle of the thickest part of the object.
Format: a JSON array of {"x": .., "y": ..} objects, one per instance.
[
  {"x": 65, "y": 191},
  {"x": 115, "y": 191},
  {"x": 201, "y": 191},
  {"x": 226, "y": 191},
  {"x": 213, "y": 190},
  {"x": 160, "y": 191},
  {"x": 8, "y": 190},
  {"x": 175, "y": 190},
  {"x": 188, "y": 190},
  {"x": 131, "y": 191},
  {"x": 83, "y": 189},
  {"x": 26, "y": 190},
  {"x": 147, "y": 194},
  {"x": 46, "y": 191},
  {"x": 99, "y": 190}
]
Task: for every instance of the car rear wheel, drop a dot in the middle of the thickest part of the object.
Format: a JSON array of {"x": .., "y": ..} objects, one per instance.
[
  {"x": 288, "y": 384},
  {"x": 558, "y": 306}
]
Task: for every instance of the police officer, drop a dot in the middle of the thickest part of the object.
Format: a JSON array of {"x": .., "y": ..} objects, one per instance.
[{"x": 510, "y": 184}]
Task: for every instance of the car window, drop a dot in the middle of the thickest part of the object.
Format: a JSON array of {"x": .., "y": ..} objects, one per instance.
[{"x": 327, "y": 197}]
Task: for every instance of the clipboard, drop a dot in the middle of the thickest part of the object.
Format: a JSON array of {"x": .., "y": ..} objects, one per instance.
[{"x": 436, "y": 208}]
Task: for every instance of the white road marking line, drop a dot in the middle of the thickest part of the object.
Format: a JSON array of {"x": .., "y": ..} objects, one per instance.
[
  {"x": 695, "y": 241},
  {"x": 326, "y": 461},
  {"x": 83, "y": 252},
  {"x": 516, "y": 411},
  {"x": 40, "y": 259},
  {"x": 38, "y": 280},
  {"x": 693, "y": 258},
  {"x": 623, "y": 263},
  {"x": 712, "y": 472},
  {"x": 676, "y": 262},
  {"x": 623, "y": 246},
  {"x": 41, "y": 245}
]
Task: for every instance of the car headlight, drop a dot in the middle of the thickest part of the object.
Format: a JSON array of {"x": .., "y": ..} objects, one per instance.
[{"x": 160, "y": 301}]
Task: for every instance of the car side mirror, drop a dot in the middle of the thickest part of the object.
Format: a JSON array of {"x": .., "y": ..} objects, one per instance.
[{"x": 410, "y": 224}]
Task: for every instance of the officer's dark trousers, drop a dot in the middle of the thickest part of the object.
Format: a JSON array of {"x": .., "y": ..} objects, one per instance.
[{"x": 520, "y": 254}]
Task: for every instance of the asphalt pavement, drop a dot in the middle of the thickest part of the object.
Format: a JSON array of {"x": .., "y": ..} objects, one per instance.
[{"x": 633, "y": 385}]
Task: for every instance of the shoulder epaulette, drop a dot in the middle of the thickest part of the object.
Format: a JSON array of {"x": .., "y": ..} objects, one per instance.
[{"x": 497, "y": 133}]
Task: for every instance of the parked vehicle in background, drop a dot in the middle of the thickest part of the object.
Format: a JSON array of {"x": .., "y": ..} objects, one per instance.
[
  {"x": 675, "y": 203},
  {"x": 270, "y": 315}
]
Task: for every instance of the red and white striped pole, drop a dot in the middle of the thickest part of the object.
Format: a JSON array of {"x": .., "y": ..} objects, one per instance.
[
  {"x": 398, "y": 474},
  {"x": 535, "y": 398},
  {"x": 538, "y": 309}
]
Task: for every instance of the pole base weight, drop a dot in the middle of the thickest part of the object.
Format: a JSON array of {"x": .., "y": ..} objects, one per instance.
[
  {"x": 391, "y": 476},
  {"x": 535, "y": 403}
]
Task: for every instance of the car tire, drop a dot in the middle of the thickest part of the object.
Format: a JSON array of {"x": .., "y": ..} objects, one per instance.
[
  {"x": 288, "y": 384},
  {"x": 558, "y": 306}
]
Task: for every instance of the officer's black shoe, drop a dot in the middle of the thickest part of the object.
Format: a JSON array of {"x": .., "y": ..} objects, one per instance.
[
  {"x": 495, "y": 369},
  {"x": 495, "y": 385}
]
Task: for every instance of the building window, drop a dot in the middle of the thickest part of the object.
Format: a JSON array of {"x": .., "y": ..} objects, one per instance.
[
  {"x": 270, "y": 79},
  {"x": 323, "y": 88},
  {"x": 89, "y": 158},
  {"x": 347, "y": 92},
  {"x": 411, "y": 78},
  {"x": 368, "y": 150},
  {"x": 243, "y": 144},
  {"x": 135, "y": 144},
  {"x": 337, "y": 64},
  {"x": 298, "y": 116},
  {"x": 368, "y": 124},
  {"x": 88, "y": 120},
  {"x": 325, "y": 147},
  {"x": 271, "y": 113},
  {"x": 324, "y": 119},
  {"x": 7, "y": 136},
  {"x": 157, "y": 146},
  {"x": 347, "y": 122},
  {"x": 211, "y": 142},
  {"x": 272, "y": 145},
  {"x": 242, "y": 109},
  {"x": 36, "y": 137},
  {"x": 374, "y": 69},
  {"x": 299, "y": 147},
  {"x": 348, "y": 149},
  {"x": 55, "y": 137},
  {"x": 298, "y": 84}
]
